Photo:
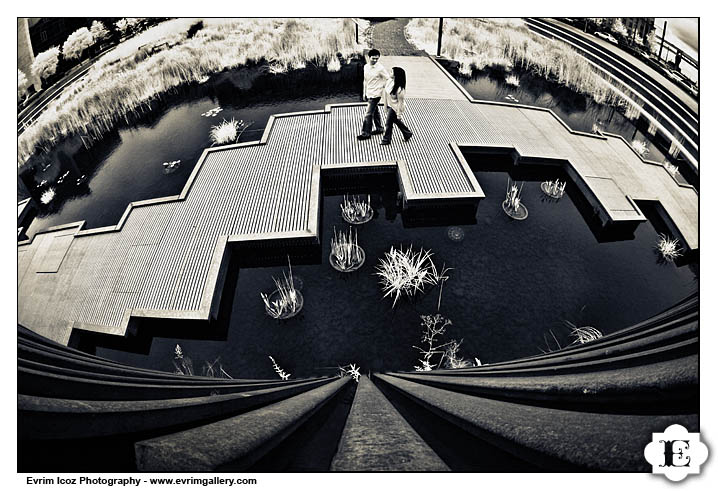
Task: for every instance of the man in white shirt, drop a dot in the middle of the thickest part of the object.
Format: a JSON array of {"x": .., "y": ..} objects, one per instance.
[{"x": 375, "y": 78}]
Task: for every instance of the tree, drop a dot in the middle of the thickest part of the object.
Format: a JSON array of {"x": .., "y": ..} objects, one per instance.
[
  {"x": 99, "y": 31},
  {"x": 619, "y": 28},
  {"x": 76, "y": 43},
  {"x": 45, "y": 63},
  {"x": 127, "y": 24},
  {"x": 22, "y": 84},
  {"x": 122, "y": 26}
]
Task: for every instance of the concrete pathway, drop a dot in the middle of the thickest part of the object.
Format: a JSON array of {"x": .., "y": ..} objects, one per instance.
[{"x": 388, "y": 37}]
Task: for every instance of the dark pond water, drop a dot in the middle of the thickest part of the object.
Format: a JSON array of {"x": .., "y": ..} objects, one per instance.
[
  {"x": 579, "y": 112},
  {"x": 513, "y": 283},
  {"x": 127, "y": 165}
]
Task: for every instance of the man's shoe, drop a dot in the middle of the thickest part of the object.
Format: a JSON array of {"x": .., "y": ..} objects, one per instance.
[
  {"x": 406, "y": 138},
  {"x": 378, "y": 131},
  {"x": 383, "y": 142},
  {"x": 362, "y": 137}
]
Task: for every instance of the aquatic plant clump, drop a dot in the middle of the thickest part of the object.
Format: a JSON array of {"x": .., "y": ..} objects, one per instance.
[
  {"x": 356, "y": 211},
  {"x": 671, "y": 168},
  {"x": 350, "y": 370},
  {"x": 47, "y": 196},
  {"x": 227, "y": 132},
  {"x": 640, "y": 147},
  {"x": 405, "y": 272},
  {"x": 171, "y": 166},
  {"x": 512, "y": 205},
  {"x": 669, "y": 249},
  {"x": 512, "y": 80},
  {"x": 553, "y": 189},
  {"x": 346, "y": 255},
  {"x": 183, "y": 364},
  {"x": 284, "y": 302},
  {"x": 212, "y": 112},
  {"x": 215, "y": 370}
]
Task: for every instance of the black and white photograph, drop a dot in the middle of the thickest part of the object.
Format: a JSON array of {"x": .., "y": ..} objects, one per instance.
[{"x": 254, "y": 246}]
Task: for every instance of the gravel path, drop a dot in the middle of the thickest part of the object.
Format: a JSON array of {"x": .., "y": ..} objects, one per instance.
[{"x": 388, "y": 37}]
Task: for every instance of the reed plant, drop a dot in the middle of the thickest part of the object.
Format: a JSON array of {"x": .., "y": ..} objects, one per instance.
[
  {"x": 182, "y": 363},
  {"x": 128, "y": 82},
  {"x": 355, "y": 210},
  {"x": 282, "y": 374},
  {"x": 47, "y": 196},
  {"x": 671, "y": 168},
  {"x": 640, "y": 147},
  {"x": 507, "y": 44},
  {"x": 286, "y": 301},
  {"x": 215, "y": 370},
  {"x": 227, "y": 132},
  {"x": 512, "y": 80},
  {"x": 583, "y": 334},
  {"x": 554, "y": 189},
  {"x": 346, "y": 254}
]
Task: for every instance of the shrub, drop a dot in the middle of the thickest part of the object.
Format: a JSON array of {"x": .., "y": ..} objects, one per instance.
[
  {"x": 99, "y": 31},
  {"x": 127, "y": 25},
  {"x": 194, "y": 29},
  {"x": 22, "y": 84},
  {"x": 45, "y": 63},
  {"x": 76, "y": 43}
]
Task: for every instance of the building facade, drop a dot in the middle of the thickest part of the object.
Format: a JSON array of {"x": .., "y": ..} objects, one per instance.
[{"x": 25, "y": 54}]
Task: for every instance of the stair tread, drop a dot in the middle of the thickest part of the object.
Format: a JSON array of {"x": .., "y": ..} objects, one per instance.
[
  {"x": 242, "y": 439},
  {"x": 377, "y": 438},
  {"x": 546, "y": 436}
]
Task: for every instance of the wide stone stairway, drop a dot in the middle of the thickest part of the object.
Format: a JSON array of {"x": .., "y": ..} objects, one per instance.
[{"x": 588, "y": 407}]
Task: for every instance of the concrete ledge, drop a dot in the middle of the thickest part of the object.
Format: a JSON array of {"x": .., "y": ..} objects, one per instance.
[
  {"x": 554, "y": 439},
  {"x": 38, "y": 416},
  {"x": 595, "y": 387},
  {"x": 241, "y": 440},
  {"x": 377, "y": 438},
  {"x": 65, "y": 383}
]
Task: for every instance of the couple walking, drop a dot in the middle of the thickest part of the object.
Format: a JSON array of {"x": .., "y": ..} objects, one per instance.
[{"x": 378, "y": 82}]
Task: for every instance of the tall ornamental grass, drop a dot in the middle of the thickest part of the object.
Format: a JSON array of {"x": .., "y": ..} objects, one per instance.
[
  {"x": 507, "y": 44},
  {"x": 130, "y": 78}
]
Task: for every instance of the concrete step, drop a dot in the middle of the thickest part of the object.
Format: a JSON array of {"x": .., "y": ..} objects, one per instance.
[
  {"x": 665, "y": 385},
  {"x": 552, "y": 439},
  {"x": 377, "y": 438},
  {"x": 664, "y": 329},
  {"x": 47, "y": 381},
  {"x": 91, "y": 369},
  {"x": 38, "y": 417},
  {"x": 685, "y": 343},
  {"x": 238, "y": 441}
]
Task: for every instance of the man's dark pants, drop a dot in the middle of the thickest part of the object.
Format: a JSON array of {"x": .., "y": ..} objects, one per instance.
[{"x": 372, "y": 114}]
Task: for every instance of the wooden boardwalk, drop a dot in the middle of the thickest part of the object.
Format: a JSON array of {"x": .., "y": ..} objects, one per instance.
[{"x": 165, "y": 257}]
